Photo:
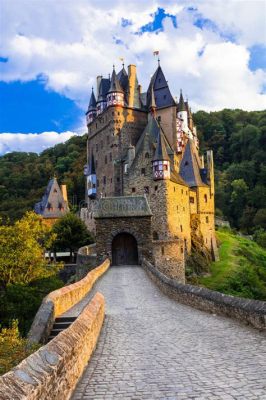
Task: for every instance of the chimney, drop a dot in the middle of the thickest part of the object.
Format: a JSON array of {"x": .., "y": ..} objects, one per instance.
[
  {"x": 133, "y": 96},
  {"x": 64, "y": 192},
  {"x": 98, "y": 79}
]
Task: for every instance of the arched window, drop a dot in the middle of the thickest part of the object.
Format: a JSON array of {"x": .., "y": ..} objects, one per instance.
[
  {"x": 205, "y": 198},
  {"x": 155, "y": 236}
]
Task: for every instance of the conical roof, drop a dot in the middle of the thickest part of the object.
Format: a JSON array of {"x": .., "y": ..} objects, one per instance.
[
  {"x": 152, "y": 99},
  {"x": 103, "y": 89},
  {"x": 53, "y": 204},
  {"x": 161, "y": 152},
  {"x": 181, "y": 103},
  {"x": 92, "y": 104},
  {"x": 190, "y": 166},
  {"x": 160, "y": 86},
  {"x": 115, "y": 84},
  {"x": 122, "y": 76}
]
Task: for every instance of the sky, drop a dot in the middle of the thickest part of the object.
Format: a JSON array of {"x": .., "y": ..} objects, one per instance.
[{"x": 51, "y": 52}]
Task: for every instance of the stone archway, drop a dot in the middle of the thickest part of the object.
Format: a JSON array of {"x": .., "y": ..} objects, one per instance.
[{"x": 124, "y": 249}]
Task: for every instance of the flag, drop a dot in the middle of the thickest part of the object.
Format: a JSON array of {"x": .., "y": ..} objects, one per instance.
[
  {"x": 121, "y": 59},
  {"x": 156, "y": 53}
]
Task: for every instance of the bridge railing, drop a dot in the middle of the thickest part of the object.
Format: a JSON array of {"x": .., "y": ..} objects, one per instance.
[
  {"x": 252, "y": 312},
  {"x": 61, "y": 300}
]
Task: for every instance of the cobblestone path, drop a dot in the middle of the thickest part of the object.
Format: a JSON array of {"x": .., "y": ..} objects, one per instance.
[{"x": 152, "y": 347}]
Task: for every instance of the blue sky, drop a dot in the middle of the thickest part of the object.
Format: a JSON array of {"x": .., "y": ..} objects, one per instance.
[{"x": 51, "y": 52}]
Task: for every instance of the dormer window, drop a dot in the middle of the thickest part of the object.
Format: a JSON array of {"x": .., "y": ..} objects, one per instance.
[{"x": 55, "y": 191}]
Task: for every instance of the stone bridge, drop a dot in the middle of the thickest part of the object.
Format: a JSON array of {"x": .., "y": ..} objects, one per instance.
[{"x": 151, "y": 346}]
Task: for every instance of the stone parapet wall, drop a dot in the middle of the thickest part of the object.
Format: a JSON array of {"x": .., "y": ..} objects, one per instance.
[
  {"x": 51, "y": 373},
  {"x": 59, "y": 301},
  {"x": 252, "y": 312}
]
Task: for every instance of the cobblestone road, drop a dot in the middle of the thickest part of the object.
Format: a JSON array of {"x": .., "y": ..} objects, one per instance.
[{"x": 152, "y": 347}]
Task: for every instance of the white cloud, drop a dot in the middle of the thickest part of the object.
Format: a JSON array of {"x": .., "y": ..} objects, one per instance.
[
  {"x": 31, "y": 142},
  {"x": 70, "y": 44}
]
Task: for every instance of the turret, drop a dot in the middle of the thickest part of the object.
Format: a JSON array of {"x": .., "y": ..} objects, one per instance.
[
  {"x": 103, "y": 88},
  {"x": 91, "y": 179},
  {"x": 182, "y": 113},
  {"x": 152, "y": 105},
  {"x": 91, "y": 113},
  {"x": 115, "y": 94},
  {"x": 161, "y": 160}
]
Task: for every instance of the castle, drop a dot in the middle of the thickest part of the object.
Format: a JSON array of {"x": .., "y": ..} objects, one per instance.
[{"x": 148, "y": 191}]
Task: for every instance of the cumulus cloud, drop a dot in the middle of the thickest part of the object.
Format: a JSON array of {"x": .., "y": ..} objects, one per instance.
[
  {"x": 31, "y": 142},
  {"x": 69, "y": 45}
]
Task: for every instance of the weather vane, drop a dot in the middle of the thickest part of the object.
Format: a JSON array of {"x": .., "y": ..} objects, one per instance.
[{"x": 156, "y": 53}]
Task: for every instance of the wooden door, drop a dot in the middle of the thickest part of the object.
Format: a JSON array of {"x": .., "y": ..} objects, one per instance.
[{"x": 124, "y": 250}]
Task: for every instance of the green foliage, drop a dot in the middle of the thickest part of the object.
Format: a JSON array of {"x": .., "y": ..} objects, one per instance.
[
  {"x": 241, "y": 270},
  {"x": 13, "y": 348},
  {"x": 24, "y": 176},
  {"x": 260, "y": 237},
  {"x": 71, "y": 233},
  {"x": 22, "y": 251},
  {"x": 21, "y": 301},
  {"x": 238, "y": 140}
]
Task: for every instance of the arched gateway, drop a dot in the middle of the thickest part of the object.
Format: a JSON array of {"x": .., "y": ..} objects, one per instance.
[{"x": 124, "y": 249}]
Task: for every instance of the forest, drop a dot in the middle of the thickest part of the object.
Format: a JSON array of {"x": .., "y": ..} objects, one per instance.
[{"x": 238, "y": 139}]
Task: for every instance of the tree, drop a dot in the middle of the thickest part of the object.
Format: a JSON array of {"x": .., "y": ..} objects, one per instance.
[
  {"x": 22, "y": 247},
  {"x": 71, "y": 233}
]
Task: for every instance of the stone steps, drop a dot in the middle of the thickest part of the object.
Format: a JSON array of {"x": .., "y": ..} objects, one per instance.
[{"x": 60, "y": 324}]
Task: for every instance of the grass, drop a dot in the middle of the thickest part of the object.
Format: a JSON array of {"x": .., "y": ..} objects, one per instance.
[{"x": 241, "y": 270}]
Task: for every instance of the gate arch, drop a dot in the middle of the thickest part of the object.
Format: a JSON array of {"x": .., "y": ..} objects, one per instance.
[{"x": 124, "y": 249}]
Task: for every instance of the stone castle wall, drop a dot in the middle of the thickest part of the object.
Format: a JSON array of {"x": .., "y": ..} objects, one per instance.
[{"x": 52, "y": 372}]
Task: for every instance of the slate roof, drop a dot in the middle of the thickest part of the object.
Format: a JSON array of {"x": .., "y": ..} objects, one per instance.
[
  {"x": 92, "y": 104},
  {"x": 122, "y": 76},
  {"x": 103, "y": 89},
  {"x": 190, "y": 166},
  {"x": 163, "y": 97},
  {"x": 115, "y": 84},
  {"x": 161, "y": 152},
  {"x": 52, "y": 204},
  {"x": 181, "y": 104}
]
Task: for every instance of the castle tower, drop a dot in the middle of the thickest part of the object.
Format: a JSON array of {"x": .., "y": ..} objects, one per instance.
[
  {"x": 104, "y": 84},
  {"x": 91, "y": 179},
  {"x": 115, "y": 94},
  {"x": 91, "y": 113},
  {"x": 182, "y": 113},
  {"x": 161, "y": 160}
]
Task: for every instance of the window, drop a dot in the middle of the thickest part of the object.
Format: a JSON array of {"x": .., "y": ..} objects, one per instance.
[
  {"x": 156, "y": 188},
  {"x": 165, "y": 167},
  {"x": 162, "y": 249},
  {"x": 55, "y": 191},
  {"x": 207, "y": 220},
  {"x": 182, "y": 191},
  {"x": 182, "y": 250},
  {"x": 147, "y": 155},
  {"x": 118, "y": 179},
  {"x": 118, "y": 113},
  {"x": 133, "y": 190},
  {"x": 105, "y": 159},
  {"x": 104, "y": 180},
  {"x": 164, "y": 96},
  {"x": 110, "y": 156},
  {"x": 142, "y": 171},
  {"x": 186, "y": 163},
  {"x": 111, "y": 180},
  {"x": 181, "y": 228},
  {"x": 155, "y": 236},
  {"x": 176, "y": 208},
  {"x": 174, "y": 188},
  {"x": 146, "y": 189},
  {"x": 191, "y": 200},
  {"x": 205, "y": 198}
]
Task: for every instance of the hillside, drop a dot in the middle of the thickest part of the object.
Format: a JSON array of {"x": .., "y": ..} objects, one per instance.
[
  {"x": 241, "y": 270},
  {"x": 238, "y": 139},
  {"x": 24, "y": 176}
]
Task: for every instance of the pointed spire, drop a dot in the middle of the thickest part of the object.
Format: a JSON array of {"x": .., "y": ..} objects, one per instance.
[
  {"x": 181, "y": 104},
  {"x": 114, "y": 85},
  {"x": 92, "y": 104},
  {"x": 161, "y": 152},
  {"x": 152, "y": 105}
]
